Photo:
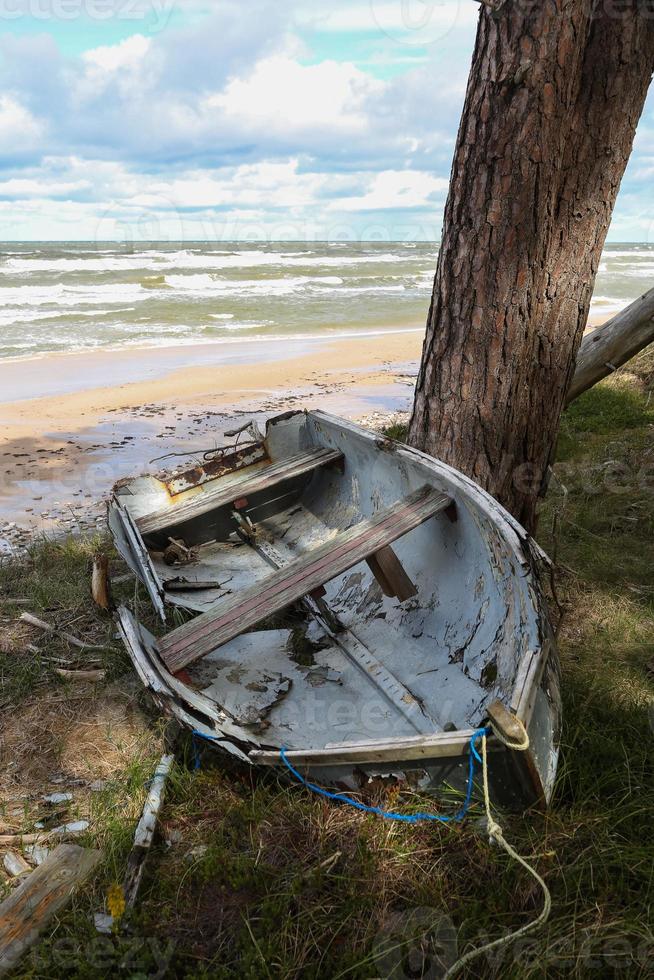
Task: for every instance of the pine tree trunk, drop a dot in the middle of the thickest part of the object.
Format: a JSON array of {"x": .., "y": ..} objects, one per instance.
[{"x": 555, "y": 92}]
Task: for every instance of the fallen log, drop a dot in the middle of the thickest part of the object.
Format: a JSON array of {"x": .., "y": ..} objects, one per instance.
[
  {"x": 613, "y": 344},
  {"x": 47, "y": 890}
]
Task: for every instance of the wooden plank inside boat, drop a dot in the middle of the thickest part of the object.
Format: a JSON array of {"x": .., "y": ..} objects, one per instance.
[
  {"x": 376, "y": 673},
  {"x": 197, "y": 638},
  {"x": 225, "y": 491}
]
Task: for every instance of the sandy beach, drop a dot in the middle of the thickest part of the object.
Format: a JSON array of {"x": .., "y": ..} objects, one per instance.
[{"x": 74, "y": 423}]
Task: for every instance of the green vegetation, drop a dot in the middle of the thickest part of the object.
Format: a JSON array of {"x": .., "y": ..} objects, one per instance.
[
  {"x": 263, "y": 880},
  {"x": 398, "y": 430}
]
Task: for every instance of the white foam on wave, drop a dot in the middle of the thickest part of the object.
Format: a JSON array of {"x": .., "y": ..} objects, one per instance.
[
  {"x": 9, "y": 316},
  {"x": 153, "y": 261},
  {"x": 60, "y": 294},
  {"x": 641, "y": 252},
  {"x": 607, "y": 304},
  {"x": 203, "y": 283}
]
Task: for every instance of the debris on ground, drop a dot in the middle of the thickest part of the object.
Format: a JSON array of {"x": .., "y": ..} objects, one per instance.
[
  {"x": 100, "y": 583},
  {"x": 44, "y": 893},
  {"x": 68, "y": 637},
  {"x": 143, "y": 838}
]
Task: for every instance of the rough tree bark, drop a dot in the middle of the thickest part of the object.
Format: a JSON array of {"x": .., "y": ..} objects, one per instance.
[{"x": 555, "y": 91}]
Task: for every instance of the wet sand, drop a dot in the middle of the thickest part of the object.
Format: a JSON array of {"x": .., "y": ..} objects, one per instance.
[{"x": 112, "y": 414}]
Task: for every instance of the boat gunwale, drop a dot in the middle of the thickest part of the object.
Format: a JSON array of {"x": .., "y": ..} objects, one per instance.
[{"x": 454, "y": 744}]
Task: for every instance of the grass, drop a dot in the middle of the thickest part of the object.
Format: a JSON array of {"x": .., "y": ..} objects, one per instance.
[{"x": 263, "y": 880}]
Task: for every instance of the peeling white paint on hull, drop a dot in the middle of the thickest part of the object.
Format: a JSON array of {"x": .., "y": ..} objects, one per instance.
[{"x": 388, "y": 671}]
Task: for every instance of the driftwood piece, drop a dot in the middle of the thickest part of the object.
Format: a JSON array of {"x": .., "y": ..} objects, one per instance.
[
  {"x": 143, "y": 837},
  {"x": 100, "y": 588},
  {"x": 15, "y": 864},
  {"x": 94, "y": 676},
  {"x": 47, "y": 628},
  {"x": 613, "y": 344},
  {"x": 65, "y": 830},
  {"x": 145, "y": 831},
  {"x": 47, "y": 890}
]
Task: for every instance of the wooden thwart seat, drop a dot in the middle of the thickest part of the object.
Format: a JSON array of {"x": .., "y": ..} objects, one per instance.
[
  {"x": 229, "y": 489},
  {"x": 199, "y": 637}
]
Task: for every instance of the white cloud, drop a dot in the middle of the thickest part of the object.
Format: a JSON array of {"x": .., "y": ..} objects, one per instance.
[
  {"x": 395, "y": 189},
  {"x": 28, "y": 187},
  {"x": 410, "y": 22},
  {"x": 118, "y": 65},
  {"x": 127, "y": 54},
  {"x": 19, "y": 129},
  {"x": 283, "y": 95},
  {"x": 266, "y": 200}
]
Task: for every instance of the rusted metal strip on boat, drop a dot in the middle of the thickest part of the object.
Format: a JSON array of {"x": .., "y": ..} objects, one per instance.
[
  {"x": 210, "y": 630},
  {"x": 225, "y": 492},
  {"x": 219, "y": 466}
]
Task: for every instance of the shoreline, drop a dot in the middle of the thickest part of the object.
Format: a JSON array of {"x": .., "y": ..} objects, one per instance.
[
  {"x": 61, "y": 453},
  {"x": 75, "y": 424},
  {"x": 352, "y": 333},
  {"x": 63, "y": 372},
  {"x": 97, "y": 383}
]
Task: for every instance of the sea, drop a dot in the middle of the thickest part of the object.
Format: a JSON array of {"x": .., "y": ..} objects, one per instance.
[{"x": 60, "y": 297}]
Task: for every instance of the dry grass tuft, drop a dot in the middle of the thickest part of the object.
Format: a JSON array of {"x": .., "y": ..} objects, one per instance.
[{"x": 81, "y": 733}]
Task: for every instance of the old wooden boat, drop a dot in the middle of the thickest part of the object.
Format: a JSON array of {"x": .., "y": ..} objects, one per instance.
[{"x": 351, "y": 600}]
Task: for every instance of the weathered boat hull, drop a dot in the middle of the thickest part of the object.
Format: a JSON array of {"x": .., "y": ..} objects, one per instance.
[{"x": 398, "y": 689}]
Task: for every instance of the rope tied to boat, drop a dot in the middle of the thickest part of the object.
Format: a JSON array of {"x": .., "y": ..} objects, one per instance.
[
  {"x": 495, "y": 831},
  {"x": 474, "y": 758},
  {"x": 496, "y": 834}
]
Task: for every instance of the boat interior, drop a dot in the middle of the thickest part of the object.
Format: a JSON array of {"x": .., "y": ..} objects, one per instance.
[{"x": 337, "y": 588}]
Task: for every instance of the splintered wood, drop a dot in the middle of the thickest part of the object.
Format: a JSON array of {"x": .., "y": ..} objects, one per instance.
[{"x": 47, "y": 890}]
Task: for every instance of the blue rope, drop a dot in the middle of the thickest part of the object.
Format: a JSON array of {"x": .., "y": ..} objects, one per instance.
[
  {"x": 474, "y": 758},
  {"x": 195, "y": 735},
  {"x": 387, "y": 814}
]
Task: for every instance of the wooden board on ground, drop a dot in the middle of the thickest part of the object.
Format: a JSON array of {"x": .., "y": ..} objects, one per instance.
[
  {"x": 297, "y": 579},
  {"x": 49, "y": 888}
]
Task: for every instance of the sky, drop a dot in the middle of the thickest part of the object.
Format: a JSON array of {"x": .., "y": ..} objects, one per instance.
[{"x": 222, "y": 120}]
